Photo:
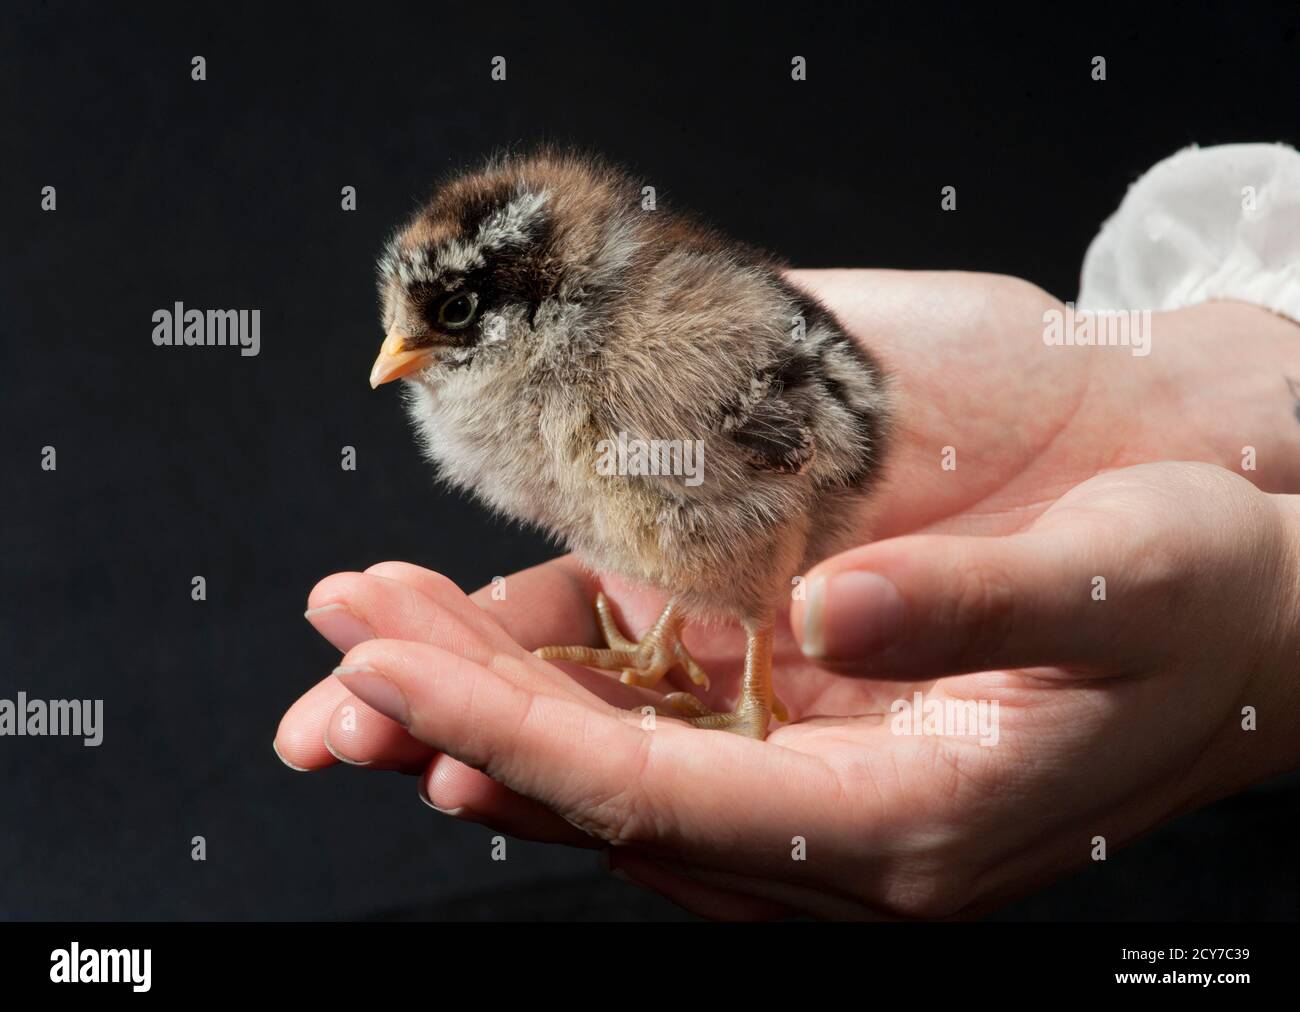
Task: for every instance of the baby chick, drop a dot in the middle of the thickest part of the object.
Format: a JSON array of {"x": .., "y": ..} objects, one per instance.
[{"x": 540, "y": 316}]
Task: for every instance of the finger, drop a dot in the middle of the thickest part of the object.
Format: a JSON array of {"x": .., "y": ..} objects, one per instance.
[
  {"x": 438, "y": 612},
  {"x": 530, "y": 740},
  {"x": 343, "y": 604},
  {"x": 328, "y": 725},
  {"x": 552, "y": 604},
  {"x": 924, "y": 606},
  {"x": 670, "y": 785},
  {"x": 421, "y": 605},
  {"x": 454, "y": 789},
  {"x": 300, "y": 738},
  {"x": 391, "y": 599},
  {"x": 359, "y": 735},
  {"x": 411, "y": 604},
  {"x": 547, "y": 604},
  {"x": 325, "y": 725}
]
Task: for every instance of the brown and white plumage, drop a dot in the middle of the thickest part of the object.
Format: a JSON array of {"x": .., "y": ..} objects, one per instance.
[{"x": 590, "y": 317}]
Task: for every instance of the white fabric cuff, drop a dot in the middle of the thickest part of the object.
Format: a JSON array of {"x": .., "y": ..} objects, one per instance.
[{"x": 1205, "y": 223}]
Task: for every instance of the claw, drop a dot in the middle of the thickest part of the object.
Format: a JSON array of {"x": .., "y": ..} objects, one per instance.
[
  {"x": 661, "y": 649},
  {"x": 641, "y": 663}
]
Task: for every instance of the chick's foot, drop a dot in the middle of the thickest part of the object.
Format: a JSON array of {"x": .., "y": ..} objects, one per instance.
[
  {"x": 642, "y": 663},
  {"x": 748, "y": 718},
  {"x": 757, "y": 703}
]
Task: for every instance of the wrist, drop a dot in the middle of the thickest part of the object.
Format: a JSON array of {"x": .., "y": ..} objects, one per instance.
[{"x": 1219, "y": 376}]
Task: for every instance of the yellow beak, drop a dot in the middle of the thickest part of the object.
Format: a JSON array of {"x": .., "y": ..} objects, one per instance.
[{"x": 396, "y": 360}]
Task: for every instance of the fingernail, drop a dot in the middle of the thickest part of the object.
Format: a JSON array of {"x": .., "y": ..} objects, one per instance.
[
  {"x": 338, "y": 625},
  {"x": 297, "y": 769},
  {"x": 850, "y": 614},
  {"x": 375, "y": 691},
  {"x": 329, "y": 747},
  {"x": 424, "y": 796}
]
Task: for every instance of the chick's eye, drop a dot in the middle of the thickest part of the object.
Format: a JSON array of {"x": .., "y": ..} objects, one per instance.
[{"x": 457, "y": 311}]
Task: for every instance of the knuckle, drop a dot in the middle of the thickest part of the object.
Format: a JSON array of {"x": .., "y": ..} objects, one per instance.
[
  {"x": 620, "y": 821},
  {"x": 618, "y": 808}
]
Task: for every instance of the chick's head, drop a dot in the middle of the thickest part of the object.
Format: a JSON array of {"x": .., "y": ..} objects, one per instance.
[{"x": 465, "y": 276}]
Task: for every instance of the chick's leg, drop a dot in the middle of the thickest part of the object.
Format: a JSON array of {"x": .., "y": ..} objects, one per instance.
[
  {"x": 643, "y": 663},
  {"x": 756, "y": 704}
]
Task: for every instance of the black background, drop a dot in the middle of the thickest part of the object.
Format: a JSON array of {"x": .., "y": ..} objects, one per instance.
[{"x": 226, "y": 193}]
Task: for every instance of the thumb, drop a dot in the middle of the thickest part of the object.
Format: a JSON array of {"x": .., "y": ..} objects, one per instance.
[{"x": 931, "y": 605}]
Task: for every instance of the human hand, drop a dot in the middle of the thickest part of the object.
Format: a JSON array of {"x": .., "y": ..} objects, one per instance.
[
  {"x": 968, "y": 350},
  {"x": 1113, "y": 714}
]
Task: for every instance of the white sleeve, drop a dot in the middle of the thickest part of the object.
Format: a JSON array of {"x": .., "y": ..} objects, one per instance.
[{"x": 1205, "y": 223}]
